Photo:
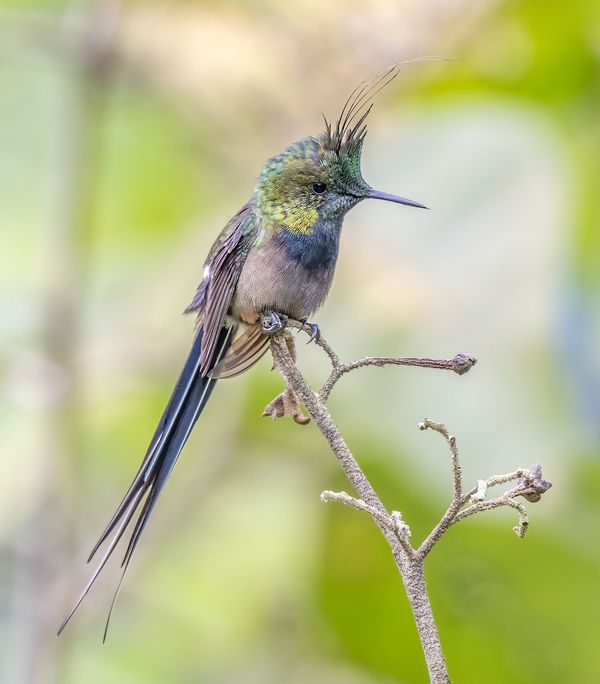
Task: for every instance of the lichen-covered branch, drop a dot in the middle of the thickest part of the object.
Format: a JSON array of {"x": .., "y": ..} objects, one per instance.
[{"x": 529, "y": 483}]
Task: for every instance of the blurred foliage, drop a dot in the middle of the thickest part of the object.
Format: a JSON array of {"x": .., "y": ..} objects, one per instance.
[{"x": 130, "y": 133}]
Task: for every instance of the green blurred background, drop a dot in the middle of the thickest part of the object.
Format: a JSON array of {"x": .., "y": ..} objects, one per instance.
[{"x": 129, "y": 134}]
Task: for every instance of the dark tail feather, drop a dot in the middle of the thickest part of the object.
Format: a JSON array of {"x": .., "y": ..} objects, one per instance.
[{"x": 179, "y": 417}]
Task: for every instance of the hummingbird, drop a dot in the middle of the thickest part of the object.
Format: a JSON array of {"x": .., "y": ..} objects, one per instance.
[{"x": 276, "y": 257}]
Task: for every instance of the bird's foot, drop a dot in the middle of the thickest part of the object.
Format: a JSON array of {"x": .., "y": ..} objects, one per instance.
[
  {"x": 313, "y": 330},
  {"x": 272, "y": 322}
]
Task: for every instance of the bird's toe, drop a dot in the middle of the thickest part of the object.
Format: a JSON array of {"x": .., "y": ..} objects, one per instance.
[{"x": 272, "y": 322}]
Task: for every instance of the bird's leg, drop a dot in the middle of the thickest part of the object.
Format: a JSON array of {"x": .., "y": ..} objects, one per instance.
[
  {"x": 272, "y": 322},
  {"x": 313, "y": 329}
]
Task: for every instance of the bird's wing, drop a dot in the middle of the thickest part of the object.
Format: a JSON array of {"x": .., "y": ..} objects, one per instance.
[{"x": 221, "y": 273}]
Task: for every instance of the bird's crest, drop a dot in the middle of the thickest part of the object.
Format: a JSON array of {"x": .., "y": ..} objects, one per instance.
[{"x": 350, "y": 129}]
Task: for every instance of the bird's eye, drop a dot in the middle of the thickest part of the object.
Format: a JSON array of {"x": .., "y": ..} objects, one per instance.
[{"x": 319, "y": 188}]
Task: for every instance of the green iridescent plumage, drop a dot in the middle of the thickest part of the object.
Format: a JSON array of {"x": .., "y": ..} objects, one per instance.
[{"x": 285, "y": 197}]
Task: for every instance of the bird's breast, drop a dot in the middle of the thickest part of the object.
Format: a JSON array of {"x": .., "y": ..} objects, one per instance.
[{"x": 288, "y": 273}]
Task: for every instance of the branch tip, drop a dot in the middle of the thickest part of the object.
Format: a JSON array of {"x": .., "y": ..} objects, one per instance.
[
  {"x": 521, "y": 527},
  {"x": 532, "y": 480},
  {"x": 462, "y": 363},
  {"x": 328, "y": 495}
]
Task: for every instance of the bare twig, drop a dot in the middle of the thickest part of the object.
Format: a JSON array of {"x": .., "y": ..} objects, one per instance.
[
  {"x": 460, "y": 364},
  {"x": 359, "y": 504},
  {"x": 503, "y": 500},
  {"x": 456, "y": 471},
  {"x": 410, "y": 561}
]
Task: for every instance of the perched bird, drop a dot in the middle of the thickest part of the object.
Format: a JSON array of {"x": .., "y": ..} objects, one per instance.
[{"x": 276, "y": 256}]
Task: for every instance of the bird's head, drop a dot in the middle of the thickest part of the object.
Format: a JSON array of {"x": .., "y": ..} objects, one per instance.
[{"x": 320, "y": 177}]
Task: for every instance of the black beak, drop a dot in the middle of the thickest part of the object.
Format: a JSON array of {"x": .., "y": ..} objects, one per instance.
[{"x": 376, "y": 194}]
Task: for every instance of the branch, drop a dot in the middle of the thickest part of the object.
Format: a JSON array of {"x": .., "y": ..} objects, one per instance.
[
  {"x": 409, "y": 561},
  {"x": 393, "y": 523},
  {"x": 530, "y": 485},
  {"x": 459, "y": 364}
]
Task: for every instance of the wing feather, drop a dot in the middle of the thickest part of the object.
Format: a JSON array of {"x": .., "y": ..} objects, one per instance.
[
  {"x": 245, "y": 351},
  {"x": 223, "y": 268}
]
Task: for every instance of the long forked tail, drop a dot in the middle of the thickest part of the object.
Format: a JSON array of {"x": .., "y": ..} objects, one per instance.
[{"x": 181, "y": 413}]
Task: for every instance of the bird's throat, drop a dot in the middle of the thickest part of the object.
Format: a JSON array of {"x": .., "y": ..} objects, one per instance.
[
  {"x": 316, "y": 249},
  {"x": 290, "y": 216}
]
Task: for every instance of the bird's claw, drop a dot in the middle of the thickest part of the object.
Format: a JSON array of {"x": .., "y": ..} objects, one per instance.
[
  {"x": 315, "y": 331},
  {"x": 272, "y": 322}
]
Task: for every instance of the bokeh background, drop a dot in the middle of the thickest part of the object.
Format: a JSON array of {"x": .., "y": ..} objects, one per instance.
[{"x": 129, "y": 133}]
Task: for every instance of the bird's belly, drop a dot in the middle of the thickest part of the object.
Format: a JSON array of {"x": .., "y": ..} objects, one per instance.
[{"x": 270, "y": 279}]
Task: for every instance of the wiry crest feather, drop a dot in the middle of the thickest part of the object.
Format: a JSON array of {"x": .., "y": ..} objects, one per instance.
[{"x": 350, "y": 128}]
